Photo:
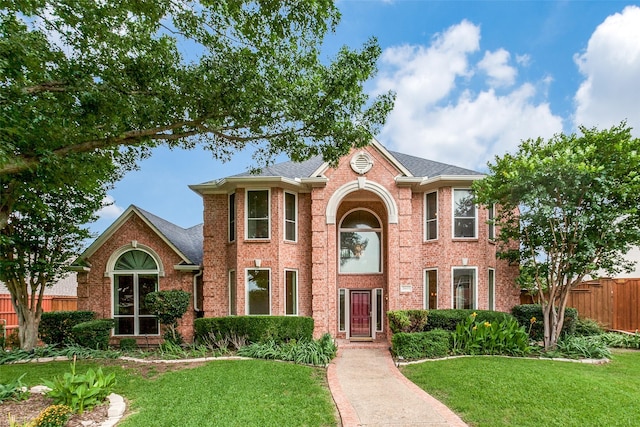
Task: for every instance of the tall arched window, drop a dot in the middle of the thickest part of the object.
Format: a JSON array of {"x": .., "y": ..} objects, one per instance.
[
  {"x": 360, "y": 243},
  {"x": 135, "y": 275}
]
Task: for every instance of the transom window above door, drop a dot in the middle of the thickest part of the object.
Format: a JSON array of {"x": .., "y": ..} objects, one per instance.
[{"x": 360, "y": 249}]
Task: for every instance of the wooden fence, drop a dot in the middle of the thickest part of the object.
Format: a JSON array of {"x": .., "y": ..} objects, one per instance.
[
  {"x": 9, "y": 317},
  {"x": 615, "y": 303}
]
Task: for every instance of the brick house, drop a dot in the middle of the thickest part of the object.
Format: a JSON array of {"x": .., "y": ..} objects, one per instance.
[{"x": 381, "y": 231}]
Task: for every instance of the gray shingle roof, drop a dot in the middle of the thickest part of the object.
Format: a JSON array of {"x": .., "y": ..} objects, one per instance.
[
  {"x": 289, "y": 169},
  {"x": 188, "y": 240}
]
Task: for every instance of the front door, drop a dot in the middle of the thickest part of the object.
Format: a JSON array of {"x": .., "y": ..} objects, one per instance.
[{"x": 360, "y": 314}]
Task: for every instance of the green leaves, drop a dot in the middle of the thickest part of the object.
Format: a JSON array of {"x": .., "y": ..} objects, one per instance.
[{"x": 476, "y": 337}]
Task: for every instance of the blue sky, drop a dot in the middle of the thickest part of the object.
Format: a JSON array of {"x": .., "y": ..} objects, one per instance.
[{"x": 473, "y": 79}]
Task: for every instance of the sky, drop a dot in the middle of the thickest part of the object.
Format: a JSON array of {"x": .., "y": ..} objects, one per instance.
[{"x": 472, "y": 80}]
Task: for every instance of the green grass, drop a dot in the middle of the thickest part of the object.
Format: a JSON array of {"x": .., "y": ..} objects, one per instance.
[
  {"x": 496, "y": 391},
  {"x": 220, "y": 393}
]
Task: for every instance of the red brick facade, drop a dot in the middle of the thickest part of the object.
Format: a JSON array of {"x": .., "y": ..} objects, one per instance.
[{"x": 323, "y": 200}]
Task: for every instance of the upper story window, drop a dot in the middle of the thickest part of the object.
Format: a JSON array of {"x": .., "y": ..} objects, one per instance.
[
  {"x": 492, "y": 226},
  {"x": 232, "y": 217},
  {"x": 360, "y": 243},
  {"x": 464, "y": 214},
  {"x": 258, "y": 214},
  {"x": 431, "y": 216},
  {"x": 290, "y": 217}
]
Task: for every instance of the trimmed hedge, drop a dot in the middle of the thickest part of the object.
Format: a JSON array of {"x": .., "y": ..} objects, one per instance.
[
  {"x": 525, "y": 312},
  {"x": 407, "y": 320},
  {"x": 448, "y": 319},
  {"x": 93, "y": 334},
  {"x": 255, "y": 328},
  {"x": 55, "y": 327},
  {"x": 421, "y": 345}
]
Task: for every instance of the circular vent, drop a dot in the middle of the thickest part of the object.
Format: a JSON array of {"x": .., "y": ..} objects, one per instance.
[{"x": 361, "y": 163}]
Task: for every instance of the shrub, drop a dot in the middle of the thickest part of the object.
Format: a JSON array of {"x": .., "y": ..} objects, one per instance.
[
  {"x": 14, "y": 390},
  {"x": 169, "y": 306},
  {"x": 2, "y": 339},
  {"x": 55, "y": 327},
  {"x": 81, "y": 391},
  {"x": 588, "y": 327},
  {"x": 127, "y": 344},
  {"x": 448, "y": 319},
  {"x": 308, "y": 352},
  {"x": 525, "y": 312},
  {"x": 421, "y": 345},
  {"x": 93, "y": 334},
  {"x": 407, "y": 320},
  {"x": 255, "y": 328},
  {"x": 475, "y": 336},
  {"x": 590, "y": 347},
  {"x": 618, "y": 340},
  {"x": 53, "y": 416}
]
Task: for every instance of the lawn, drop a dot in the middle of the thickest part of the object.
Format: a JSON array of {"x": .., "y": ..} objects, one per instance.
[
  {"x": 497, "y": 391},
  {"x": 220, "y": 393}
]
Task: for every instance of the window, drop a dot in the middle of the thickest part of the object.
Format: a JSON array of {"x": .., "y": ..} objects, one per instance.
[
  {"x": 431, "y": 289},
  {"x": 233, "y": 293},
  {"x": 492, "y": 226},
  {"x": 431, "y": 214},
  {"x": 290, "y": 217},
  {"x": 492, "y": 289},
  {"x": 464, "y": 288},
  {"x": 464, "y": 214},
  {"x": 291, "y": 292},
  {"x": 258, "y": 224},
  {"x": 232, "y": 217},
  {"x": 135, "y": 276},
  {"x": 360, "y": 243},
  {"x": 342, "y": 310},
  {"x": 259, "y": 291},
  {"x": 379, "y": 310}
]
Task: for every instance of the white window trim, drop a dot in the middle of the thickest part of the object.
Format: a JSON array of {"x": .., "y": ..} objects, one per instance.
[
  {"x": 295, "y": 220},
  {"x": 346, "y": 311},
  {"x": 246, "y": 291},
  {"x": 425, "y": 217},
  {"x": 491, "y": 290},
  {"x": 374, "y": 309},
  {"x": 425, "y": 288},
  {"x": 136, "y": 315},
  {"x": 235, "y": 218},
  {"x": 453, "y": 217},
  {"x": 491, "y": 216},
  {"x": 380, "y": 230},
  {"x": 229, "y": 289},
  {"x": 475, "y": 286},
  {"x": 246, "y": 214},
  {"x": 284, "y": 293}
]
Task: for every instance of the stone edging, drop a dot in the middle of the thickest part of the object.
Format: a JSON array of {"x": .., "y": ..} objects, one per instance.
[
  {"x": 115, "y": 411},
  {"x": 555, "y": 359}
]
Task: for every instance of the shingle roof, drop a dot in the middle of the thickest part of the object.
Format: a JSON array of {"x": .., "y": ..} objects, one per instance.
[
  {"x": 188, "y": 240},
  {"x": 289, "y": 169}
]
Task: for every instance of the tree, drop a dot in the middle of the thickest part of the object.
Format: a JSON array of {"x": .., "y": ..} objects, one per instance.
[
  {"x": 105, "y": 82},
  {"x": 44, "y": 233},
  {"x": 573, "y": 203},
  {"x": 169, "y": 306}
]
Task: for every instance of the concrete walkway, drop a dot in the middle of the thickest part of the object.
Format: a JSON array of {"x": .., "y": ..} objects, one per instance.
[{"x": 369, "y": 390}]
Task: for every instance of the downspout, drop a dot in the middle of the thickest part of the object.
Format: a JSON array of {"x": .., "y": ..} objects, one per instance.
[{"x": 195, "y": 290}]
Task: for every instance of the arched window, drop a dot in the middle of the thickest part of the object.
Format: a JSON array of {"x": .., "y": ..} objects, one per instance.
[
  {"x": 135, "y": 275},
  {"x": 360, "y": 243}
]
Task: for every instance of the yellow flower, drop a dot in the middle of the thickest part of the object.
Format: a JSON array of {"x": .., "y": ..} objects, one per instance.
[
  {"x": 487, "y": 324},
  {"x": 533, "y": 319},
  {"x": 474, "y": 314},
  {"x": 474, "y": 328}
]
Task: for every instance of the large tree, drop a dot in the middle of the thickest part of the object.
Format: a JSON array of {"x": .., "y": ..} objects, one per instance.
[
  {"x": 89, "y": 87},
  {"x": 573, "y": 204},
  {"x": 85, "y": 76}
]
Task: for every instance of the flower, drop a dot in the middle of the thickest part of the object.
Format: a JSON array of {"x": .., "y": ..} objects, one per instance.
[
  {"x": 533, "y": 319},
  {"x": 474, "y": 328},
  {"x": 474, "y": 314},
  {"x": 487, "y": 324}
]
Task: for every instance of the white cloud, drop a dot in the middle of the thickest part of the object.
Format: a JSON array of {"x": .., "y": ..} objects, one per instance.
[
  {"x": 439, "y": 116},
  {"x": 110, "y": 210},
  {"x": 611, "y": 68},
  {"x": 496, "y": 66}
]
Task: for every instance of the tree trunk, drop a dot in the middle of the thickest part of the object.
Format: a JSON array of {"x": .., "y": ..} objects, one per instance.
[{"x": 28, "y": 329}]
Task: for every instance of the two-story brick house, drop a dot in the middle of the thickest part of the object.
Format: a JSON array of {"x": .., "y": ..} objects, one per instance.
[{"x": 381, "y": 231}]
